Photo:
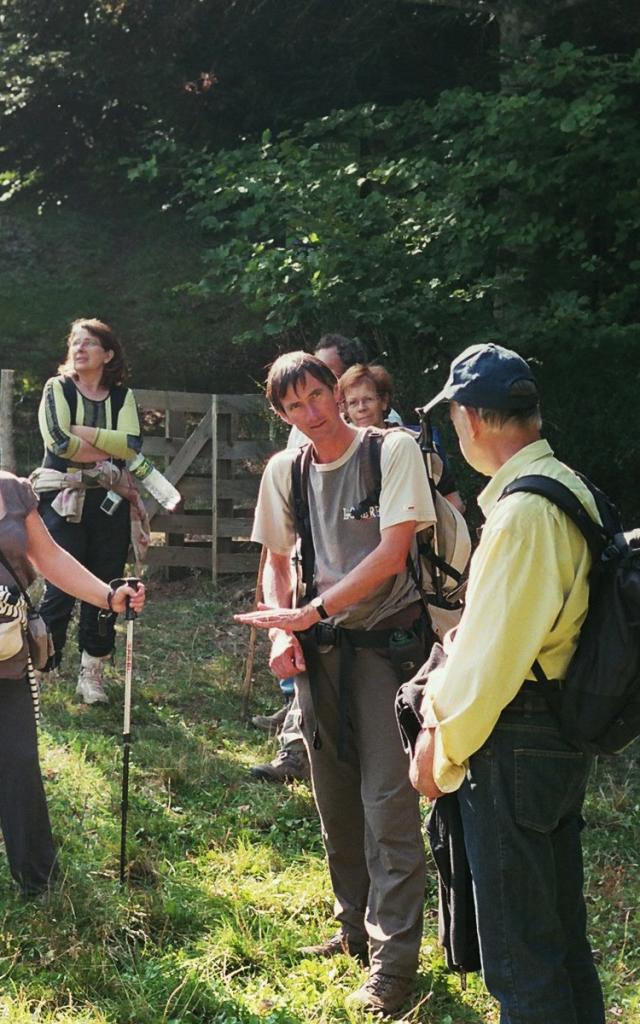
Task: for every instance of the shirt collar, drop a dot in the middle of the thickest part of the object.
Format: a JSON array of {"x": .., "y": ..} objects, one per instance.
[{"x": 513, "y": 468}]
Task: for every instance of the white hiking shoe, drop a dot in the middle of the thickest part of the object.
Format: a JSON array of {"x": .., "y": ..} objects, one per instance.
[{"x": 90, "y": 686}]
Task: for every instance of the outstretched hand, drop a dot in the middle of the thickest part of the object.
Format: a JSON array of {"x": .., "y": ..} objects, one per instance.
[
  {"x": 287, "y": 658},
  {"x": 291, "y": 620}
]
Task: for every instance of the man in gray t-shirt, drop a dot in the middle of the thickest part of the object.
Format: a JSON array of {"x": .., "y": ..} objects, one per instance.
[
  {"x": 369, "y": 814},
  {"x": 291, "y": 762}
]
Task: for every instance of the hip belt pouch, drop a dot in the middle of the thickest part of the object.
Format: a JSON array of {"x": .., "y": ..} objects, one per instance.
[
  {"x": 37, "y": 634},
  {"x": 39, "y": 640}
]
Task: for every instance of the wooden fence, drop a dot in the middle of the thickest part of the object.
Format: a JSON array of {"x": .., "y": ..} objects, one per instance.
[{"x": 213, "y": 448}]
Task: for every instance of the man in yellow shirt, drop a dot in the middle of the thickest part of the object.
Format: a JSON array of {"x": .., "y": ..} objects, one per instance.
[{"x": 488, "y": 734}]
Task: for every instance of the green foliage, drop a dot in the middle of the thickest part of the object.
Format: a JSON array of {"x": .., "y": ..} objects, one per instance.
[
  {"x": 228, "y": 876},
  {"x": 80, "y": 80},
  {"x": 426, "y": 228},
  {"x": 418, "y": 222}
]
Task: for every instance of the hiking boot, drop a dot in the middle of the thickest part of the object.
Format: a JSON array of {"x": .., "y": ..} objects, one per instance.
[
  {"x": 285, "y": 767},
  {"x": 90, "y": 686},
  {"x": 271, "y": 723},
  {"x": 339, "y": 943},
  {"x": 381, "y": 993}
]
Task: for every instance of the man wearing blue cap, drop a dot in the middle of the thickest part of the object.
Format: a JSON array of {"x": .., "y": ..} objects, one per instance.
[{"x": 489, "y": 735}]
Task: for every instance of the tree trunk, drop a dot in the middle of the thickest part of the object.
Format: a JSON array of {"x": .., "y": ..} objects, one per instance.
[{"x": 7, "y": 452}]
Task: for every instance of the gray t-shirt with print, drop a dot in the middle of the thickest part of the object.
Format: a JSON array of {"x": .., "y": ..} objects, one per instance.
[{"x": 341, "y": 541}]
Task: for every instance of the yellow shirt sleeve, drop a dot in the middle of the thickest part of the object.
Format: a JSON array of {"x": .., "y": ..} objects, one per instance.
[
  {"x": 514, "y": 597},
  {"x": 125, "y": 441}
]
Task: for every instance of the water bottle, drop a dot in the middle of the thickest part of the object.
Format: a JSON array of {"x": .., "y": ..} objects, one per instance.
[
  {"x": 406, "y": 653},
  {"x": 154, "y": 482}
]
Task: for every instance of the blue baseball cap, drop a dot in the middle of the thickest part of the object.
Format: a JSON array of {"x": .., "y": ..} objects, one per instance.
[{"x": 485, "y": 377}]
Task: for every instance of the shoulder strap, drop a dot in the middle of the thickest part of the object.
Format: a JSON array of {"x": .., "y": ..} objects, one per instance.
[
  {"x": 117, "y": 393},
  {"x": 300, "y": 494},
  {"x": 555, "y": 491},
  {"x": 596, "y": 536},
  {"x": 11, "y": 572},
  {"x": 71, "y": 396}
]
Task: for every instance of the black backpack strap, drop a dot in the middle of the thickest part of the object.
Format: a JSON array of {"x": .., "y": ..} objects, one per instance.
[
  {"x": 607, "y": 511},
  {"x": 22, "y": 590},
  {"x": 300, "y": 494},
  {"x": 71, "y": 396},
  {"x": 117, "y": 393},
  {"x": 595, "y": 535}
]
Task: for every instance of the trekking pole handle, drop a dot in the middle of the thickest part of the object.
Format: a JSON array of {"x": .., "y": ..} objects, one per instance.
[{"x": 127, "y": 581}]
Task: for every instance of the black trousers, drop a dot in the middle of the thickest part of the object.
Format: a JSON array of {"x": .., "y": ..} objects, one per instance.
[
  {"x": 23, "y": 807},
  {"x": 101, "y": 543}
]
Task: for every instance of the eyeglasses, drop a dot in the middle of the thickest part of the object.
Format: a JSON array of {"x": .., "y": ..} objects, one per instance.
[
  {"x": 355, "y": 403},
  {"x": 86, "y": 342}
]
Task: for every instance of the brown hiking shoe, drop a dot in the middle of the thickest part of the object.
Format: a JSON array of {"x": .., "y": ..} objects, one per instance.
[
  {"x": 271, "y": 723},
  {"x": 339, "y": 943},
  {"x": 285, "y": 767},
  {"x": 381, "y": 993}
]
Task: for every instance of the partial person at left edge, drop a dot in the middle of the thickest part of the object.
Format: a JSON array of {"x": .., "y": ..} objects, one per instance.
[
  {"x": 26, "y": 545},
  {"x": 90, "y": 427}
]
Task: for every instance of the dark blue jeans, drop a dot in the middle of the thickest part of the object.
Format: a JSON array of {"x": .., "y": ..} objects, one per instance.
[{"x": 521, "y": 809}]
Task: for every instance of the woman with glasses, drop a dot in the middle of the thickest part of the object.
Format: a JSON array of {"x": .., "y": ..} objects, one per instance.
[
  {"x": 365, "y": 395},
  {"x": 366, "y": 392},
  {"x": 89, "y": 423}
]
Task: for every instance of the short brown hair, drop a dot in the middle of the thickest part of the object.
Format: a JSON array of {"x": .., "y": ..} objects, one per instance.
[
  {"x": 115, "y": 371},
  {"x": 377, "y": 375},
  {"x": 290, "y": 370}
]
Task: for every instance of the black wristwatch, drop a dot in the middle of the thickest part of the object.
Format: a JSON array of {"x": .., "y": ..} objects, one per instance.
[{"x": 319, "y": 607}]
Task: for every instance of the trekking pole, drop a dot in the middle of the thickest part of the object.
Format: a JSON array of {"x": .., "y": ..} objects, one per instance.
[
  {"x": 129, "y": 615},
  {"x": 251, "y": 653}
]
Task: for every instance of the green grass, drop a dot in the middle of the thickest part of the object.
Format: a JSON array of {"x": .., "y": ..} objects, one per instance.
[{"x": 227, "y": 876}]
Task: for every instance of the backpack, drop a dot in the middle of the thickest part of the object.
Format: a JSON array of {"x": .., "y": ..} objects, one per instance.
[
  {"x": 443, "y": 553},
  {"x": 598, "y": 703}
]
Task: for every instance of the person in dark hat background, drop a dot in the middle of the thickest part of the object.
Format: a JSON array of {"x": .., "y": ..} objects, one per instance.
[{"x": 489, "y": 735}]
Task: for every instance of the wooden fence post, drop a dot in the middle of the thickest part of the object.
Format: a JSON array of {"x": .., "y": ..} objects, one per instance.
[
  {"x": 7, "y": 450},
  {"x": 214, "y": 488}
]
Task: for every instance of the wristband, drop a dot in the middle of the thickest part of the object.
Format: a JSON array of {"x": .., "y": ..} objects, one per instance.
[{"x": 110, "y": 597}]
